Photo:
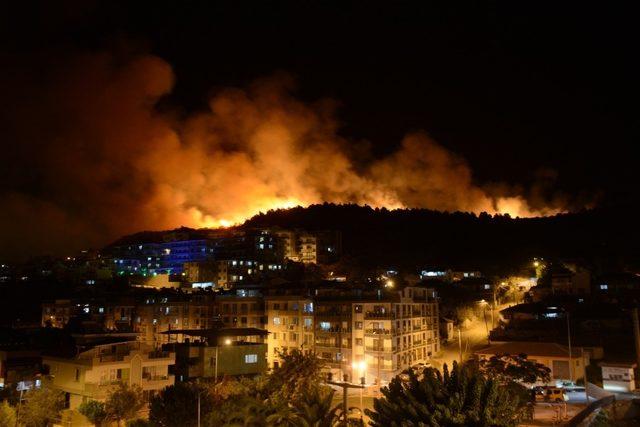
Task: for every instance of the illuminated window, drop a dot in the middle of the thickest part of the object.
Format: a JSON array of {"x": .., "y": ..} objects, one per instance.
[
  {"x": 604, "y": 287},
  {"x": 277, "y": 321},
  {"x": 250, "y": 358}
]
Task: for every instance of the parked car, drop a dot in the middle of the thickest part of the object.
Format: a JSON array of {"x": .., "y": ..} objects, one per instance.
[{"x": 549, "y": 394}]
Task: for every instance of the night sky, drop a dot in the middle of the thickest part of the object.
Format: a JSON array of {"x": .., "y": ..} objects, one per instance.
[{"x": 525, "y": 93}]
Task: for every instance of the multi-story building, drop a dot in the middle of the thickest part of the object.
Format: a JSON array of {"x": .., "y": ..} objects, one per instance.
[
  {"x": 241, "y": 308},
  {"x": 92, "y": 372},
  {"x": 219, "y": 352},
  {"x": 162, "y": 313},
  {"x": 290, "y": 323},
  {"x": 388, "y": 331}
]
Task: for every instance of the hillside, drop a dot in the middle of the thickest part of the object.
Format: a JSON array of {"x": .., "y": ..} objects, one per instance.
[
  {"x": 605, "y": 238},
  {"x": 411, "y": 238}
]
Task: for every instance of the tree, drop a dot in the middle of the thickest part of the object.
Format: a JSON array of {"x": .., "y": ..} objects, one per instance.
[
  {"x": 296, "y": 373},
  {"x": 124, "y": 402},
  {"x": 42, "y": 407},
  {"x": 94, "y": 411},
  {"x": 463, "y": 397},
  {"x": 7, "y": 415},
  {"x": 177, "y": 405},
  {"x": 518, "y": 368},
  {"x": 314, "y": 409}
]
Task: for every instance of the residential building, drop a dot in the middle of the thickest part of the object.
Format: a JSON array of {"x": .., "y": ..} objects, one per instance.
[
  {"x": 218, "y": 352},
  {"x": 571, "y": 280},
  {"x": 566, "y": 364},
  {"x": 389, "y": 330},
  {"x": 290, "y": 322},
  {"x": 93, "y": 371},
  {"x": 241, "y": 307},
  {"x": 161, "y": 313}
]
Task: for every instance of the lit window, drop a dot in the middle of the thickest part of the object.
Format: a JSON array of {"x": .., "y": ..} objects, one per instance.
[
  {"x": 604, "y": 287},
  {"x": 487, "y": 286},
  {"x": 325, "y": 326},
  {"x": 276, "y": 321},
  {"x": 250, "y": 358}
]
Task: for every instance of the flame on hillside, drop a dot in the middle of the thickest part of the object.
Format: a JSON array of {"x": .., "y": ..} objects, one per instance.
[{"x": 109, "y": 164}]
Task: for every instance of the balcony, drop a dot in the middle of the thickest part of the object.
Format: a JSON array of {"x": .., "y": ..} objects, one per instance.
[
  {"x": 379, "y": 331},
  {"x": 335, "y": 330},
  {"x": 379, "y": 315},
  {"x": 417, "y": 327},
  {"x": 380, "y": 349},
  {"x": 158, "y": 354},
  {"x": 157, "y": 382}
]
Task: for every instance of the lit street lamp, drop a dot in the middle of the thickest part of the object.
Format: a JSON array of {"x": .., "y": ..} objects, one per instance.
[
  {"x": 361, "y": 366},
  {"x": 484, "y": 305}
]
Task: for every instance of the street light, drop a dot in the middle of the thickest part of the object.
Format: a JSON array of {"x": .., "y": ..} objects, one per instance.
[
  {"x": 361, "y": 366},
  {"x": 484, "y": 304}
]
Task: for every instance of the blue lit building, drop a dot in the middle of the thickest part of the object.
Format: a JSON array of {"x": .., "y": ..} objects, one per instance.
[{"x": 150, "y": 259}]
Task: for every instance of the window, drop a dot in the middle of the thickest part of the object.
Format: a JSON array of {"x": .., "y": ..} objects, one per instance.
[
  {"x": 325, "y": 326},
  {"x": 250, "y": 358},
  {"x": 358, "y": 341},
  {"x": 487, "y": 286},
  {"x": 358, "y": 325},
  {"x": 275, "y": 335},
  {"x": 276, "y": 306},
  {"x": 77, "y": 374},
  {"x": 358, "y": 308},
  {"x": 276, "y": 321},
  {"x": 604, "y": 287},
  {"x": 308, "y": 322}
]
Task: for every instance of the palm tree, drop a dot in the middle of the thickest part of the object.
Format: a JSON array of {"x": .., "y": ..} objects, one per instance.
[{"x": 464, "y": 397}]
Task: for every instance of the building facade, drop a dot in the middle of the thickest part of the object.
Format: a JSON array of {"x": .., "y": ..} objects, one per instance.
[{"x": 92, "y": 373}]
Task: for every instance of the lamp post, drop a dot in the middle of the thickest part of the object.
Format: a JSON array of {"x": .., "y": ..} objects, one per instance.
[
  {"x": 361, "y": 367},
  {"x": 484, "y": 304}
]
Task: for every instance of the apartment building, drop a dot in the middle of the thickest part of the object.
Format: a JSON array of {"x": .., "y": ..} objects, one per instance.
[
  {"x": 158, "y": 314},
  {"x": 290, "y": 323},
  {"x": 385, "y": 331},
  {"x": 219, "y": 352},
  {"x": 241, "y": 308},
  {"x": 95, "y": 370}
]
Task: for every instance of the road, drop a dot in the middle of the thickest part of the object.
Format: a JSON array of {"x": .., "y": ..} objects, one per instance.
[{"x": 473, "y": 338}]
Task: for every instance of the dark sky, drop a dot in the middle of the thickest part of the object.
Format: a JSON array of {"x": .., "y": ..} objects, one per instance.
[
  {"x": 512, "y": 86},
  {"x": 519, "y": 89}
]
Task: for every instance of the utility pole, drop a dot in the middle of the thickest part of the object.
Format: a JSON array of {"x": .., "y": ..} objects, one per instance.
[
  {"x": 494, "y": 307},
  {"x": 569, "y": 342},
  {"x": 486, "y": 326},
  {"x": 636, "y": 333},
  {"x": 460, "y": 343}
]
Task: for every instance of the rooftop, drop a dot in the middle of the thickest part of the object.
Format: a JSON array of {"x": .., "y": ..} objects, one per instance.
[{"x": 532, "y": 349}]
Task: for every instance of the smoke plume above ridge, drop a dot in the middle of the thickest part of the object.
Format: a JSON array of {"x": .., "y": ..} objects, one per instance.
[{"x": 90, "y": 158}]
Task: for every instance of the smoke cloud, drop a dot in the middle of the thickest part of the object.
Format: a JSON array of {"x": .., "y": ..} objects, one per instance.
[{"x": 89, "y": 158}]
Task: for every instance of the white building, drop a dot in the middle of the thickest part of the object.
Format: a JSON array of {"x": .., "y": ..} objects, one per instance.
[{"x": 618, "y": 377}]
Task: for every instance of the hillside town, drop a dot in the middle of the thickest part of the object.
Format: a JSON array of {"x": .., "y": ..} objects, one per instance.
[{"x": 189, "y": 306}]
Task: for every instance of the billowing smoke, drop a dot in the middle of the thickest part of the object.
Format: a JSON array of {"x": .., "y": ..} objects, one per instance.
[{"x": 89, "y": 158}]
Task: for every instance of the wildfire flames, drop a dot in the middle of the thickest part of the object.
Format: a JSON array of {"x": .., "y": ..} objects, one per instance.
[{"x": 108, "y": 163}]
